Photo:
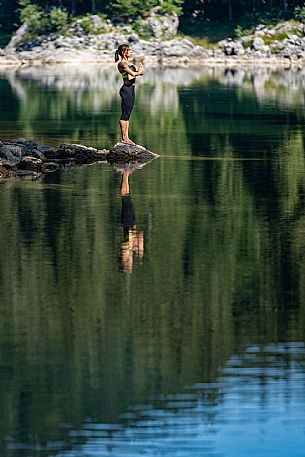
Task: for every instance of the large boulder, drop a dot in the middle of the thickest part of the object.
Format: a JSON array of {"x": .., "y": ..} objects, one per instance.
[
  {"x": 127, "y": 153},
  {"x": 258, "y": 43},
  {"x": 232, "y": 48},
  {"x": 29, "y": 147},
  {"x": 77, "y": 152},
  {"x": 159, "y": 24},
  {"x": 7, "y": 154},
  {"x": 178, "y": 48}
]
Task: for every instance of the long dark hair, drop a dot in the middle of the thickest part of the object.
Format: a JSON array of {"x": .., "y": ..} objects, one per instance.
[{"x": 120, "y": 51}]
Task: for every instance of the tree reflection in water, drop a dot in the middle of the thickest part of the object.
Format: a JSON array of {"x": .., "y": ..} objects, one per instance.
[{"x": 224, "y": 260}]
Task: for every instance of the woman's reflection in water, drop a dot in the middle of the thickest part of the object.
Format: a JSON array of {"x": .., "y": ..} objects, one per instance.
[{"x": 133, "y": 241}]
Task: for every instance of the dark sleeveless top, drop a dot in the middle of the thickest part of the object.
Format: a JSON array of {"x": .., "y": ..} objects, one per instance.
[{"x": 125, "y": 74}]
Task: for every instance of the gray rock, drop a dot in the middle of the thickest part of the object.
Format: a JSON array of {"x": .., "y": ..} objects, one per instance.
[
  {"x": 293, "y": 38},
  {"x": 14, "y": 149},
  {"x": 223, "y": 43},
  {"x": 284, "y": 27},
  {"x": 133, "y": 39},
  {"x": 301, "y": 28},
  {"x": 257, "y": 43},
  {"x": 277, "y": 46},
  {"x": 7, "y": 155},
  {"x": 176, "y": 48},
  {"x": 159, "y": 25},
  {"x": 78, "y": 30},
  {"x": 234, "y": 48},
  {"x": 30, "y": 163},
  {"x": 198, "y": 51},
  {"x": 126, "y": 29},
  {"x": 238, "y": 49},
  {"x": 80, "y": 153},
  {"x": 39, "y": 155},
  {"x": 228, "y": 50},
  {"x": 98, "y": 24},
  {"x": 20, "y": 35},
  {"x": 125, "y": 153},
  {"x": 26, "y": 146},
  {"x": 260, "y": 33}
]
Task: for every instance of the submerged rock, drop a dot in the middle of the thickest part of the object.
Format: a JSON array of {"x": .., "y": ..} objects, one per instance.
[{"x": 128, "y": 153}]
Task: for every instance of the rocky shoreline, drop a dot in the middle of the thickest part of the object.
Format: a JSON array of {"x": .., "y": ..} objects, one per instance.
[
  {"x": 26, "y": 158},
  {"x": 283, "y": 44}
]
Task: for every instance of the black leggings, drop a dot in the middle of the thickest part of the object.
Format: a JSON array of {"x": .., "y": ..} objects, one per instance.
[{"x": 128, "y": 96}]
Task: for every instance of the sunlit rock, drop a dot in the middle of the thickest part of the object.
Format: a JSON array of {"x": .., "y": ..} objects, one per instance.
[
  {"x": 159, "y": 24},
  {"x": 77, "y": 152},
  {"x": 124, "y": 153}
]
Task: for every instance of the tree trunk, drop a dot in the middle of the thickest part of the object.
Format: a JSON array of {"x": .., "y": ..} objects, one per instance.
[
  {"x": 230, "y": 11},
  {"x": 93, "y": 6},
  {"x": 73, "y": 7},
  {"x": 285, "y": 6}
]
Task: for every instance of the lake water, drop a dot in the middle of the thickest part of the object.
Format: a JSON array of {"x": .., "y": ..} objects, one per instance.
[{"x": 184, "y": 336}]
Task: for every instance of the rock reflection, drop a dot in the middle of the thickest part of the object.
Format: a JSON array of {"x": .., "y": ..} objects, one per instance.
[{"x": 282, "y": 85}]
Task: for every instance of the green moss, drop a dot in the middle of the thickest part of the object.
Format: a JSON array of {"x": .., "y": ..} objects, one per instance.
[
  {"x": 269, "y": 39},
  {"x": 203, "y": 41},
  {"x": 142, "y": 30},
  {"x": 240, "y": 31},
  {"x": 247, "y": 44}
]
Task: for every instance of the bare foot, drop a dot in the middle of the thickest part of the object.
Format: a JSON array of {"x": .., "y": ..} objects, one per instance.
[{"x": 128, "y": 141}]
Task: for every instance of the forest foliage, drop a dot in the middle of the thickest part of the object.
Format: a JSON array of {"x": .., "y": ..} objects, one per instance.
[{"x": 54, "y": 14}]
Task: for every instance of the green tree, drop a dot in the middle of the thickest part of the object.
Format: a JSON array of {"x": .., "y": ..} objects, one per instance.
[{"x": 125, "y": 9}]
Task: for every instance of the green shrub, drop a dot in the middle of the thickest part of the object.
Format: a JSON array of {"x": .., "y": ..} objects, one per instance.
[
  {"x": 172, "y": 6},
  {"x": 32, "y": 15},
  {"x": 142, "y": 30},
  {"x": 128, "y": 9},
  {"x": 125, "y": 9},
  {"x": 88, "y": 26},
  {"x": 241, "y": 31},
  {"x": 58, "y": 19},
  {"x": 202, "y": 41},
  {"x": 299, "y": 13},
  {"x": 42, "y": 21},
  {"x": 247, "y": 44},
  {"x": 279, "y": 36}
]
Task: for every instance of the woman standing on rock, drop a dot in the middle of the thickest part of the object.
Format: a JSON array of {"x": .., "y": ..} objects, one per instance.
[{"x": 127, "y": 92}]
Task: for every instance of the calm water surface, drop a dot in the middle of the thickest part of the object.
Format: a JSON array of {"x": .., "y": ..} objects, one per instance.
[{"x": 186, "y": 336}]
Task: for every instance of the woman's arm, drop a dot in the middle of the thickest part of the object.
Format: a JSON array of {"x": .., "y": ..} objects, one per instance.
[{"x": 124, "y": 66}]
